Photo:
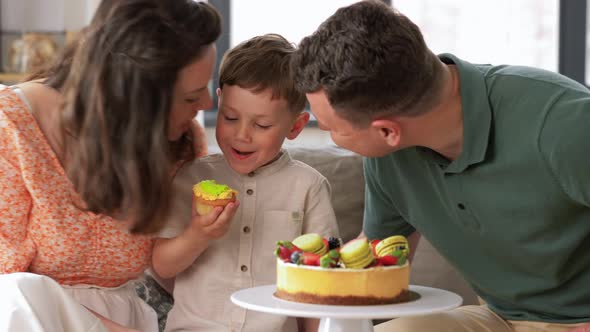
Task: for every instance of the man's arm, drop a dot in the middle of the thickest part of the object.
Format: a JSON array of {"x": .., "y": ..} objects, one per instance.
[
  {"x": 582, "y": 328},
  {"x": 413, "y": 240}
]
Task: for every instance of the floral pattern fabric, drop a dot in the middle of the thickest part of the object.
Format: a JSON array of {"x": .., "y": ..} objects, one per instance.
[{"x": 42, "y": 230}]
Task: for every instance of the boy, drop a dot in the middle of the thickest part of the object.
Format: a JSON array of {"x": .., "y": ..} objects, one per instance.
[{"x": 280, "y": 198}]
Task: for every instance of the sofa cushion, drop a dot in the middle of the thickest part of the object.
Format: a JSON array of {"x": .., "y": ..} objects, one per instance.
[{"x": 344, "y": 171}]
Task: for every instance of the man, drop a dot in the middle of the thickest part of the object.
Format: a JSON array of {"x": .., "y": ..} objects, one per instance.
[{"x": 487, "y": 162}]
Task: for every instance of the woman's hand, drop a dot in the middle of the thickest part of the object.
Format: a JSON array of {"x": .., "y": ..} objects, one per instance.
[{"x": 110, "y": 325}]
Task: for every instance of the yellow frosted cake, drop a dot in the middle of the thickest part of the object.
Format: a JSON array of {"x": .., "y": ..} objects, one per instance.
[{"x": 312, "y": 269}]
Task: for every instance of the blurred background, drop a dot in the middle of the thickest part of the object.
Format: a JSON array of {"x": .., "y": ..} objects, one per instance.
[{"x": 551, "y": 34}]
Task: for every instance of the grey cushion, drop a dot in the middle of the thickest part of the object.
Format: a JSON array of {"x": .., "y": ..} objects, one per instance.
[{"x": 344, "y": 172}]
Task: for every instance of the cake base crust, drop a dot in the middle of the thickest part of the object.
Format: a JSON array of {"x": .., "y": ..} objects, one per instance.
[{"x": 404, "y": 296}]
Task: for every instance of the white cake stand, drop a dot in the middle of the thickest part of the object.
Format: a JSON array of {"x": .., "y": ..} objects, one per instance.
[{"x": 337, "y": 318}]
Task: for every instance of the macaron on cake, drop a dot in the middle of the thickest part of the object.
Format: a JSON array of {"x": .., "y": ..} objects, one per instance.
[
  {"x": 357, "y": 254},
  {"x": 313, "y": 269},
  {"x": 394, "y": 246},
  {"x": 313, "y": 243},
  {"x": 209, "y": 194}
]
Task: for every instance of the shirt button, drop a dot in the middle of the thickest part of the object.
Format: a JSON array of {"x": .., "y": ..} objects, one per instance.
[
  {"x": 251, "y": 174},
  {"x": 246, "y": 229},
  {"x": 249, "y": 191},
  {"x": 244, "y": 268},
  {"x": 461, "y": 206}
]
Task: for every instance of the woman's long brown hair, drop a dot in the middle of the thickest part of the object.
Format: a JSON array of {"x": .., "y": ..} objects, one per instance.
[{"x": 117, "y": 82}]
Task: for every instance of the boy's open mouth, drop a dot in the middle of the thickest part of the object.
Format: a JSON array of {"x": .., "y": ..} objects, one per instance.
[{"x": 243, "y": 154}]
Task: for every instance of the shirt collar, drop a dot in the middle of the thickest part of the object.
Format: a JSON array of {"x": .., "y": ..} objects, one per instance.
[
  {"x": 477, "y": 114},
  {"x": 269, "y": 169}
]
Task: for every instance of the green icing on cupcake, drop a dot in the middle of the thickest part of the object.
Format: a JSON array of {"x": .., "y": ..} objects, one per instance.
[{"x": 213, "y": 188}]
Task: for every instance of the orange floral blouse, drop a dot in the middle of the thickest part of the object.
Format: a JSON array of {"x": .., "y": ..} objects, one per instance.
[{"x": 41, "y": 229}]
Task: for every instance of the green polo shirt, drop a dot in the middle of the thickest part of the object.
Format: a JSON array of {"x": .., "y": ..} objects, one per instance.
[{"x": 512, "y": 212}]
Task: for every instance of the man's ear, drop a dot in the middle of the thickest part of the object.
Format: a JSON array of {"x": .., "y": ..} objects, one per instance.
[
  {"x": 389, "y": 130},
  {"x": 298, "y": 126}
]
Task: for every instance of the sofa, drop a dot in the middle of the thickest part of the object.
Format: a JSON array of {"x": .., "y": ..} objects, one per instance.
[{"x": 344, "y": 172}]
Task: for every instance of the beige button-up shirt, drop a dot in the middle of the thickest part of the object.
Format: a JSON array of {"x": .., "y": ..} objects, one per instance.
[{"x": 277, "y": 202}]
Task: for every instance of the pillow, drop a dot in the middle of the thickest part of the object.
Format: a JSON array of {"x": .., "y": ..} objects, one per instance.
[{"x": 344, "y": 171}]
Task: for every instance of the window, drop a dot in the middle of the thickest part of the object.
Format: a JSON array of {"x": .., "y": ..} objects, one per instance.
[
  {"x": 549, "y": 34},
  {"x": 523, "y": 32},
  {"x": 291, "y": 19}
]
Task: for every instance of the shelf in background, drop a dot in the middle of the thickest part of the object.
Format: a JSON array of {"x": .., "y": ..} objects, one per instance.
[{"x": 12, "y": 77}]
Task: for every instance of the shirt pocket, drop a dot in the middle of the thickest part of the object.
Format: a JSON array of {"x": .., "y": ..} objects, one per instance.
[{"x": 282, "y": 225}]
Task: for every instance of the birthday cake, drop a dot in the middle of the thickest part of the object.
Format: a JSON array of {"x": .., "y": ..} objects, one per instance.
[{"x": 313, "y": 269}]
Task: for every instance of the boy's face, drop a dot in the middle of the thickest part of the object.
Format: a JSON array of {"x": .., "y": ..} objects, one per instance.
[{"x": 251, "y": 127}]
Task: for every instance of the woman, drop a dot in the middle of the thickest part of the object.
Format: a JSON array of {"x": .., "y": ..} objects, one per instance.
[{"x": 95, "y": 142}]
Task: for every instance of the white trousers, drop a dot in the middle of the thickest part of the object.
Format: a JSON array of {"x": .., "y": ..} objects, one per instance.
[{"x": 36, "y": 303}]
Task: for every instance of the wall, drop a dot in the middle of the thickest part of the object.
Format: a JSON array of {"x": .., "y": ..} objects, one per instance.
[{"x": 44, "y": 15}]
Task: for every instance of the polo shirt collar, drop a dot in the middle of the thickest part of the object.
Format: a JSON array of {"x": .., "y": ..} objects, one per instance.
[{"x": 477, "y": 114}]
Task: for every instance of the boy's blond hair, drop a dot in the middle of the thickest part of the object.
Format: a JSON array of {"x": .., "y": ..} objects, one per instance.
[{"x": 262, "y": 63}]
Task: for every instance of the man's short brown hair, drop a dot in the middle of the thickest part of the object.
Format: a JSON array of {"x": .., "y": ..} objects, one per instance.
[
  {"x": 370, "y": 60},
  {"x": 262, "y": 63}
]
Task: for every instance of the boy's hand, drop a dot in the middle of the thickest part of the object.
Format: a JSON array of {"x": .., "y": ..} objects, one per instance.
[
  {"x": 174, "y": 255},
  {"x": 215, "y": 224}
]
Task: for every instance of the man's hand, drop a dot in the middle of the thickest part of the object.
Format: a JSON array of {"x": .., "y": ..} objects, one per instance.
[{"x": 581, "y": 328}]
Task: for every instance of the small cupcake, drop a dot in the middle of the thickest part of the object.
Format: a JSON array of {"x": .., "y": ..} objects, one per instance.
[{"x": 209, "y": 194}]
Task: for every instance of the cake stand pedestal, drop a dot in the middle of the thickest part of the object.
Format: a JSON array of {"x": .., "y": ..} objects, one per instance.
[{"x": 337, "y": 318}]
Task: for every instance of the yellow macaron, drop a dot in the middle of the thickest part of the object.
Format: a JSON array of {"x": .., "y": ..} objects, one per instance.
[
  {"x": 356, "y": 254},
  {"x": 312, "y": 242},
  {"x": 388, "y": 245}
]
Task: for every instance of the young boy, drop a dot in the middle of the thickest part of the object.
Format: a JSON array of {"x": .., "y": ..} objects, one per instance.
[{"x": 215, "y": 255}]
